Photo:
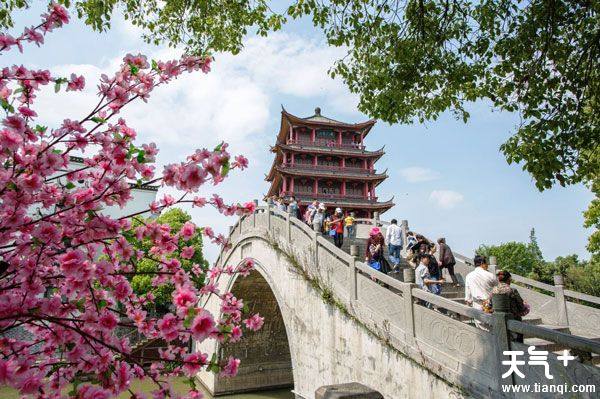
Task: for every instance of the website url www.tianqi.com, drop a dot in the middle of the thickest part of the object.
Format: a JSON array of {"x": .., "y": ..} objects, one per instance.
[{"x": 549, "y": 388}]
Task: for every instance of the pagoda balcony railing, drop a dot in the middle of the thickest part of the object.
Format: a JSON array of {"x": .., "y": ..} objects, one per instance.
[
  {"x": 329, "y": 168},
  {"x": 321, "y": 196},
  {"x": 326, "y": 143}
]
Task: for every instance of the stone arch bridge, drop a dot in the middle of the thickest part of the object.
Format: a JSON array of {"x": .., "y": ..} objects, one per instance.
[{"x": 329, "y": 319}]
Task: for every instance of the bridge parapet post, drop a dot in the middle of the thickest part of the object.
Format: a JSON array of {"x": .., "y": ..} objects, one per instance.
[
  {"x": 501, "y": 334},
  {"x": 493, "y": 265},
  {"x": 561, "y": 301},
  {"x": 404, "y": 230},
  {"x": 409, "y": 311},
  {"x": 254, "y": 214},
  {"x": 353, "y": 273},
  {"x": 288, "y": 226},
  {"x": 269, "y": 207},
  {"x": 375, "y": 219}
]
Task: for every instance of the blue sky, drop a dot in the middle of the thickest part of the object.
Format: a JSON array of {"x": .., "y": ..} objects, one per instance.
[{"x": 448, "y": 178}]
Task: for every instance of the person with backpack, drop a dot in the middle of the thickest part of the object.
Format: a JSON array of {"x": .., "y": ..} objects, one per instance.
[
  {"x": 447, "y": 260},
  {"x": 374, "y": 250},
  {"x": 518, "y": 307}
]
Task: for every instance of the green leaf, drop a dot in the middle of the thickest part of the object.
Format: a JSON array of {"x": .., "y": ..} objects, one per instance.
[
  {"x": 70, "y": 186},
  {"x": 102, "y": 303},
  {"x": 134, "y": 69},
  {"x": 97, "y": 119},
  {"x": 141, "y": 156},
  {"x": 7, "y": 106},
  {"x": 225, "y": 169}
]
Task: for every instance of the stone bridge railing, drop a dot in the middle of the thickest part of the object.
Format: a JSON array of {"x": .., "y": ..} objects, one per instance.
[
  {"x": 554, "y": 306},
  {"x": 442, "y": 339}
]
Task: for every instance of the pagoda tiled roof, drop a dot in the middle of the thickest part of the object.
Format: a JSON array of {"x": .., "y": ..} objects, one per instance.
[
  {"x": 333, "y": 173},
  {"x": 318, "y": 120},
  {"x": 310, "y": 149}
]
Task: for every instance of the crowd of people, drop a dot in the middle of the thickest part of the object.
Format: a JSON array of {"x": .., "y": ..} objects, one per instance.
[
  {"x": 316, "y": 215},
  {"x": 427, "y": 258}
]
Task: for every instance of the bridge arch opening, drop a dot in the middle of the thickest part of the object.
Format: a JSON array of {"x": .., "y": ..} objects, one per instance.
[{"x": 266, "y": 361}]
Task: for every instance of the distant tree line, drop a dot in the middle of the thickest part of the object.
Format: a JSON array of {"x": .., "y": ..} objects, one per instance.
[{"x": 526, "y": 259}]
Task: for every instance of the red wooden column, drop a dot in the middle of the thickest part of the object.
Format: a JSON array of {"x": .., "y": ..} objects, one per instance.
[
  {"x": 292, "y": 185},
  {"x": 339, "y": 137},
  {"x": 315, "y": 160},
  {"x": 344, "y": 188},
  {"x": 315, "y": 186},
  {"x": 284, "y": 184},
  {"x": 313, "y": 135},
  {"x": 365, "y": 189},
  {"x": 365, "y": 163},
  {"x": 362, "y": 137},
  {"x": 284, "y": 158},
  {"x": 343, "y": 162},
  {"x": 293, "y": 159},
  {"x": 291, "y": 132}
]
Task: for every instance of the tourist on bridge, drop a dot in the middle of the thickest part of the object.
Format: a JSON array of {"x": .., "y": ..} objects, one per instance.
[
  {"x": 350, "y": 225},
  {"x": 434, "y": 270},
  {"x": 411, "y": 240},
  {"x": 447, "y": 260},
  {"x": 479, "y": 283},
  {"x": 318, "y": 218},
  {"x": 281, "y": 204},
  {"x": 336, "y": 226},
  {"x": 292, "y": 207},
  {"x": 310, "y": 212},
  {"x": 374, "y": 256},
  {"x": 424, "y": 279},
  {"x": 518, "y": 307},
  {"x": 393, "y": 237}
]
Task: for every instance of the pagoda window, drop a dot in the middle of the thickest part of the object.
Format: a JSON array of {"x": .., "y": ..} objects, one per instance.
[
  {"x": 302, "y": 135},
  {"x": 329, "y": 161},
  {"x": 303, "y": 186},
  {"x": 353, "y": 163},
  {"x": 354, "y": 189},
  {"x": 326, "y": 137},
  {"x": 303, "y": 159},
  {"x": 329, "y": 187},
  {"x": 349, "y": 138}
]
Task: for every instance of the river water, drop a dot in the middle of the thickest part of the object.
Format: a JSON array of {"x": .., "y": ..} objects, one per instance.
[{"x": 277, "y": 394}]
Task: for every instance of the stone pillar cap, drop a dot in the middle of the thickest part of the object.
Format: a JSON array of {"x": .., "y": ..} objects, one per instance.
[{"x": 352, "y": 390}]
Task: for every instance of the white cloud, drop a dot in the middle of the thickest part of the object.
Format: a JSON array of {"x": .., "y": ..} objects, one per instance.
[
  {"x": 417, "y": 174},
  {"x": 446, "y": 199}
]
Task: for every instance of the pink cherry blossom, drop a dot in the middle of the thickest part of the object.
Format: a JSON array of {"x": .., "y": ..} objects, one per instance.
[
  {"x": 184, "y": 297},
  {"x": 203, "y": 325},
  {"x": 187, "y": 252},
  {"x": 231, "y": 368},
  {"x": 76, "y": 83},
  {"x": 69, "y": 266},
  {"x": 254, "y": 323}
]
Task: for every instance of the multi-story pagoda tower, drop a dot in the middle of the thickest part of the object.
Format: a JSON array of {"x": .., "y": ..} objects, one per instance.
[{"x": 318, "y": 158}]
